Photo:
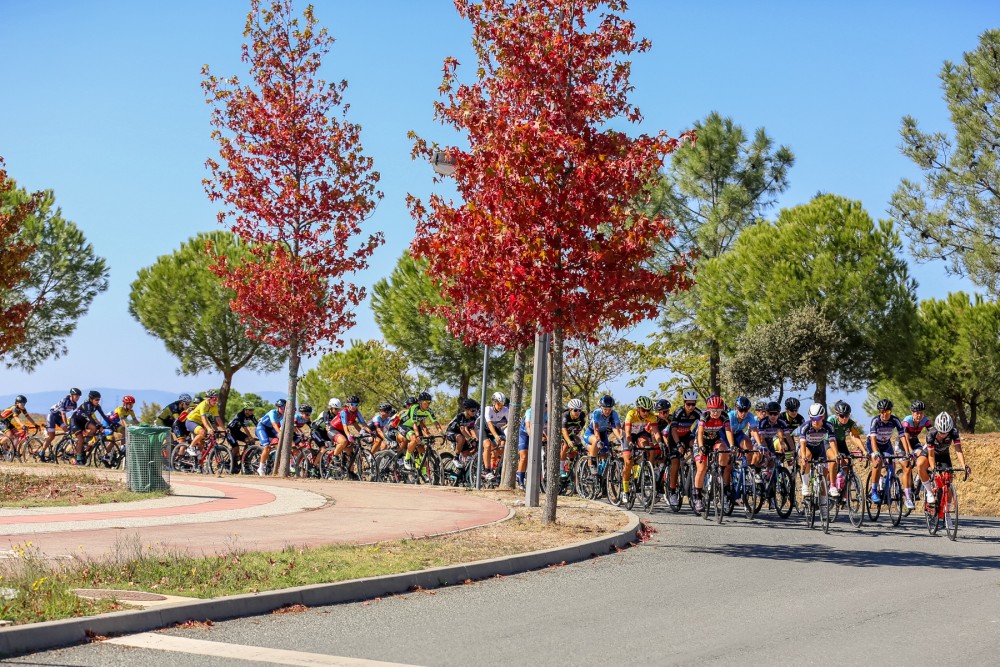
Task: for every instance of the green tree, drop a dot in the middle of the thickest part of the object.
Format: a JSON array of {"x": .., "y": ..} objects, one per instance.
[
  {"x": 64, "y": 274},
  {"x": 181, "y": 302},
  {"x": 260, "y": 404},
  {"x": 827, "y": 259},
  {"x": 368, "y": 369},
  {"x": 714, "y": 189},
  {"x": 685, "y": 369},
  {"x": 403, "y": 307},
  {"x": 149, "y": 412},
  {"x": 955, "y": 212},
  {"x": 955, "y": 366}
]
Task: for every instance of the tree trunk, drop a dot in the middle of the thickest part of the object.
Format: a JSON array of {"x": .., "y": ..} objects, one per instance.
[
  {"x": 973, "y": 412},
  {"x": 819, "y": 396},
  {"x": 463, "y": 389},
  {"x": 227, "y": 385},
  {"x": 714, "y": 356},
  {"x": 960, "y": 413},
  {"x": 552, "y": 468},
  {"x": 288, "y": 423},
  {"x": 509, "y": 467}
]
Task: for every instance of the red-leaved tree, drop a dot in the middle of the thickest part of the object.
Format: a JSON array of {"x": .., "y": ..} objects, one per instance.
[
  {"x": 295, "y": 186},
  {"x": 14, "y": 308},
  {"x": 551, "y": 190}
]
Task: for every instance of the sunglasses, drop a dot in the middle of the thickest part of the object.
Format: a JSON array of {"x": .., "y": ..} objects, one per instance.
[
  {"x": 352, "y": 405},
  {"x": 774, "y": 414},
  {"x": 690, "y": 405},
  {"x": 815, "y": 419}
]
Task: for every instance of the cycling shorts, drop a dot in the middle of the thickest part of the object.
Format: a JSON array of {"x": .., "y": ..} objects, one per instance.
[
  {"x": 883, "y": 447},
  {"x": 522, "y": 441},
  {"x": 709, "y": 445},
  {"x": 54, "y": 419},
  {"x": 193, "y": 427},
  {"x": 943, "y": 458},
  {"x": 816, "y": 451},
  {"x": 741, "y": 437},
  {"x": 265, "y": 435},
  {"x": 602, "y": 436},
  {"x": 78, "y": 423},
  {"x": 842, "y": 448}
]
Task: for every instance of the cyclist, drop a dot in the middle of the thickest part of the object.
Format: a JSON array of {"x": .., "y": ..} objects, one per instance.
[
  {"x": 880, "y": 441},
  {"x": 661, "y": 434},
  {"x": 59, "y": 416},
  {"x": 772, "y": 429},
  {"x": 497, "y": 416},
  {"x": 573, "y": 421},
  {"x": 203, "y": 418},
  {"x": 83, "y": 422},
  {"x": 241, "y": 429},
  {"x": 937, "y": 451},
  {"x": 126, "y": 411},
  {"x": 333, "y": 408},
  {"x": 603, "y": 420},
  {"x": 170, "y": 414},
  {"x": 349, "y": 416},
  {"x": 913, "y": 425},
  {"x": 14, "y": 415},
  {"x": 714, "y": 433},
  {"x": 414, "y": 426},
  {"x": 462, "y": 430},
  {"x": 794, "y": 420},
  {"x": 817, "y": 440},
  {"x": 760, "y": 411},
  {"x": 396, "y": 425},
  {"x": 741, "y": 421},
  {"x": 267, "y": 432},
  {"x": 636, "y": 431},
  {"x": 523, "y": 438},
  {"x": 683, "y": 428},
  {"x": 843, "y": 427},
  {"x": 378, "y": 426}
]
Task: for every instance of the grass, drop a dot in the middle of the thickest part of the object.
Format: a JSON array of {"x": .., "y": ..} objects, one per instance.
[
  {"x": 134, "y": 566},
  {"x": 62, "y": 489}
]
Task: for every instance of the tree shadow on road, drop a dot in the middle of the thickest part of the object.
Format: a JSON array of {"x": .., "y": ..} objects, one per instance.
[{"x": 820, "y": 553}]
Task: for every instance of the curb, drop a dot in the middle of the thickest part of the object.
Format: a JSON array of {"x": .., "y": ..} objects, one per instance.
[{"x": 22, "y": 639}]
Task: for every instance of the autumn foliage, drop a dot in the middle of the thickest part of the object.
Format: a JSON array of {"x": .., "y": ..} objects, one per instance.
[
  {"x": 14, "y": 309},
  {"x": 552, "y": 193}
]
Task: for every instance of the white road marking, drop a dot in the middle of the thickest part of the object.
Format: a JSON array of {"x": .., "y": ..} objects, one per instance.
[{"x": 277, "y": 656}]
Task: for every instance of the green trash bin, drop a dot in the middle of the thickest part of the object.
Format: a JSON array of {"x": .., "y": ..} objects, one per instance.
[{"x": 145, "y": 463}]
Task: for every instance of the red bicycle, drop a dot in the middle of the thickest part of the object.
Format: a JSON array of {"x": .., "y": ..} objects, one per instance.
[{"x": 945, "y": 507}]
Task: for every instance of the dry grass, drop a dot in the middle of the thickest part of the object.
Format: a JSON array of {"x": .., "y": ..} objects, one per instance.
[
  {"x": 59, "y": 489},
  {"x": 980, "y": 496}
]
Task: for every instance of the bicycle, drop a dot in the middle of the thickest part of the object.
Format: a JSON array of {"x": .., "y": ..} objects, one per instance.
[
  {"x": 359, "y": 464},
  {"x": 779, "y": 486},
  {"x": 851, "y": 490},
  {"x": 715, "y": 486},
  {"x": 819, "y": 499},
  {"x": 14, "y": 448},
  {"x": 566, "y": 484},
  {"x": 641, "y": 477},
  {"x": 745, "y": 487},
  {"x": 890, "y": 492},
  {"x": 945, "y": 507},
  {"x": 210, "y": 459}
]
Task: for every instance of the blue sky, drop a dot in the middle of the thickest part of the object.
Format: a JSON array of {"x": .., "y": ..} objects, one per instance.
[{"x": 102, "y": 104}]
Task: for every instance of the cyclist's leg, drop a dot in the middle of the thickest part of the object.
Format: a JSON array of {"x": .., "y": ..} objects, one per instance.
[
  {"x": 923, "y": 464},
  {"x": 627, "y": 444},
  {"x": 805, "y": 466},
  {"x": 522, "y": 457}
]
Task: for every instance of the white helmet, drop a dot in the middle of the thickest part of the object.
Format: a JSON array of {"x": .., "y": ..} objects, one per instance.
[
  {"x": 944, "y": 423},
  {"x": 575, "y": 404},
  {"x": 817, "y": 411},
  {"x": 499, "y": 397},
  {"x": 690, "y": 395},
  {"x": 335, "y": 404}
]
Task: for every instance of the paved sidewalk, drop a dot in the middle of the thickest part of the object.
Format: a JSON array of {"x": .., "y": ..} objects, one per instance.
[{"x": 208, "y": 515}]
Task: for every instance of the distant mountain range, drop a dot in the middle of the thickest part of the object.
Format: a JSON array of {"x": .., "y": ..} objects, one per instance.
[{"x": 39, "y": 402}]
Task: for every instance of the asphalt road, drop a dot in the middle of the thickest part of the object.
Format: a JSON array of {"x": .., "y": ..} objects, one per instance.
[{"x": 766, "y": 592}]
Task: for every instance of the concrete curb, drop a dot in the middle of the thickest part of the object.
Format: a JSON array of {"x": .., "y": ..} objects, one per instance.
[{"x": 22, "y": 639}]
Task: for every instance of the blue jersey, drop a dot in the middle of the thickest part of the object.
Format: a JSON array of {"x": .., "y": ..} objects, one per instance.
[
  {"x": 769, "y": 430},
  {"x": 882, "y": 430},
  {"x": 737, "y": 424},
  {"x": 604, "y": 423},
  {"x": 271, "y": 421},
  {"x": 527, "y": 420}
]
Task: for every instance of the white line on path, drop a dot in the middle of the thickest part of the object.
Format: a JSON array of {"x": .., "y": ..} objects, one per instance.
[{"x": 277, "y": 656}]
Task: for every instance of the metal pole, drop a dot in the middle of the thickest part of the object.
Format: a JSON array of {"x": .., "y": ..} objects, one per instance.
[
  {"x": 532, "y": 481},
  {"x": 482, "y": 418}
]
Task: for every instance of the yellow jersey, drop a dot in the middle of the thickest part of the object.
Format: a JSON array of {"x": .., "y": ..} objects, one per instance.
[
  {"x": 647, "y": 423},
  {"x": 203, "y": 409}
]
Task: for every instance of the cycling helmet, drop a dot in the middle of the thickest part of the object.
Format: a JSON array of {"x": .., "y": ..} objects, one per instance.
[
  {"x": 75, "y": 392},
  {"x": 944, "y": 423},
  {"x": 353, "y": 399},
  {"x": 280, "y": 403},
  {"x": 575, "y": 404},
  {"x": 606, "y": 402},
  {"x": 385, "y": 407},
  {"x": 773, "y": 406},
  {"x": 760, "y": 406},
  {"x": 183, "y": 398},
  {"x": 792, "y": 404},
  {"x": 743, "y": 403},
  {"x": 917, "y": 406},
  {"x": 21, "y": 398},
  {"x": 249, "y": 406},
  {"x": 662, "y": 404},
  {"x": 423, "y": 396},
  {"x": 817, "y": 411},
  {"x": 499, "y": 397},
  {"x": 211, "y": 393},
  {"x": 306, "y": 409},
  {"x": 841, "y": 409},
  {"x": 884, "y": 404},
  {"x": 334, "y": 404},
  {"x": 410, "y": 400},
  {"x": 93, "y": 394},
  {"x": 128, "y": 400},
  {"x": 644, "y": 402},
  {"x": 690, "y": 395},
  {"x": 714, "y": 402},
  {"x": 470, "y": 404}
]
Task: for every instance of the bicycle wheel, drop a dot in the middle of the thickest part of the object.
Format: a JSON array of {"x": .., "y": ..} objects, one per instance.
[
  {"x": 65, "y": 450},
  {"x": 331, "y": 466},
  {"x": 430, "y": 472},
  {"x": 932, "y": 516},
  {"x": 688, "y": 480},
  {"x": 647, "y": 486},
  {"x": 809, "y": 506},
  {"x": 784, "y": 492},
  {"x": 719, "y": 491},
  {"x": 251, "y": 459},
  {"x": 950, "y": 506},
  {"x": 613, "y": 481},
  {"x": 220, "y": 460},
  {"x": 181, "y": 461},
  {"x": 683, "y": 488},
  {"x": 364, "y": 466},
  {"x": 822, "y": 495},
  {"x": 744, "y": 484},
  {"x": 587, "y": 480},
  {"x": 855, "y": 500},
  {"x": 895, "y": 492},
  {"x": 383, "y": 467},
  {"x": 33, "y": 447},
  {"x": 873, "y": 509}
]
